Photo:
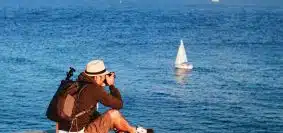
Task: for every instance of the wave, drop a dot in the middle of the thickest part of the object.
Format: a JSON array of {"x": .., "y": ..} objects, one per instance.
[{"x": 37, "y": 131}]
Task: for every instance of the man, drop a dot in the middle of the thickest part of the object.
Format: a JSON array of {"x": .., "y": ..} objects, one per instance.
[{"x": 95, "y": 77}]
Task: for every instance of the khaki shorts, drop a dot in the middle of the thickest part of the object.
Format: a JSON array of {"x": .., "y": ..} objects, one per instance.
[{"x": 102, "y": 124}]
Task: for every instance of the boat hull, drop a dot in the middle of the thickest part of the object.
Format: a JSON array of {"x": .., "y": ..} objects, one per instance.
[{"x": 184, "y": 66}]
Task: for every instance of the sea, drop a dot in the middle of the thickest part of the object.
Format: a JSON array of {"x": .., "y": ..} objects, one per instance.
[{"x": 235, "y": 86}]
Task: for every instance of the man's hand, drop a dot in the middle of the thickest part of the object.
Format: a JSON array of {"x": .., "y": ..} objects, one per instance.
[{"x": 110, "y": 79}]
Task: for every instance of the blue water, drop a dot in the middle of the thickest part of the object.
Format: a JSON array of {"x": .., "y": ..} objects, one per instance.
[{"x": 237, "y": 52}]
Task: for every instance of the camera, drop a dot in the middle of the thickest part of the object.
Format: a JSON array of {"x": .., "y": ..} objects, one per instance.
[{"x": 109, "y": 74}]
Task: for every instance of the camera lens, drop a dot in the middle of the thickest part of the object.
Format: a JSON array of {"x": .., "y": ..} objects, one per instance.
[{"x": 109, "y": 74}]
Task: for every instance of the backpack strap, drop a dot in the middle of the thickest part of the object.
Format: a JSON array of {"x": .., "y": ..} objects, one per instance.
[
  {"x": 83, "y": 112},
  {"x": 81, "y": 88}
]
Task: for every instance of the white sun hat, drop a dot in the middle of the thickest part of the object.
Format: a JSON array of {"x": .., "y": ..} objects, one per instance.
[{"x": 96, "y": 68}]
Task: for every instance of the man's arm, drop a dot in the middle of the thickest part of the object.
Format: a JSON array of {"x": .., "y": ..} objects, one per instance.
[
  {"x": 115, "y": 92},
  {"x": 113, "y": 99}
]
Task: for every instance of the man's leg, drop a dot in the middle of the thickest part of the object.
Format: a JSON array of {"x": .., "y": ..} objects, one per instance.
[
  {"x": 109, "y": 120},
  {"x": 120, "y": 123}
]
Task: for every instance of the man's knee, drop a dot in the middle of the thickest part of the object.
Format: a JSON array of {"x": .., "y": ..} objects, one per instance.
[{"x": 113, "y": 113}]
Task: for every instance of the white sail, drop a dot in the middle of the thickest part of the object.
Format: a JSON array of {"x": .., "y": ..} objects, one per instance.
[{"x": 181, "y": 55}]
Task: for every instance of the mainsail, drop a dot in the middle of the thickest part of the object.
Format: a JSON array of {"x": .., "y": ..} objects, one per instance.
[{"x": 181, "y": 55}]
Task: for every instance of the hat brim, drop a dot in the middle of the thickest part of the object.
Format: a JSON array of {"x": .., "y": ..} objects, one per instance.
[{"x": 106, "y": 72}]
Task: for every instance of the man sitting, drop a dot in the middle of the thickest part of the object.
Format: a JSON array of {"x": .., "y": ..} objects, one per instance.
[{"x": 96, "y": 77}]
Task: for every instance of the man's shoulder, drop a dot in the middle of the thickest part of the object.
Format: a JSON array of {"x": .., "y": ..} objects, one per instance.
[{"x": 93, "y": 87}]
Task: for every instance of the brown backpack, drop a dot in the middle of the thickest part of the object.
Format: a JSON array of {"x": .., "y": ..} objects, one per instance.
[{"x": 63, "y": 104}]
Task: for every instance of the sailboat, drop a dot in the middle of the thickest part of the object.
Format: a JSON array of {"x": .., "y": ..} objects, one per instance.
[
  {"x": 215, "y": 1},
  {"x": 181, "y": 59}
]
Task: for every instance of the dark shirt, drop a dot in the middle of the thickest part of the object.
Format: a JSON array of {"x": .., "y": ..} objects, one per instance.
[{"x": 89, "y": 97}]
